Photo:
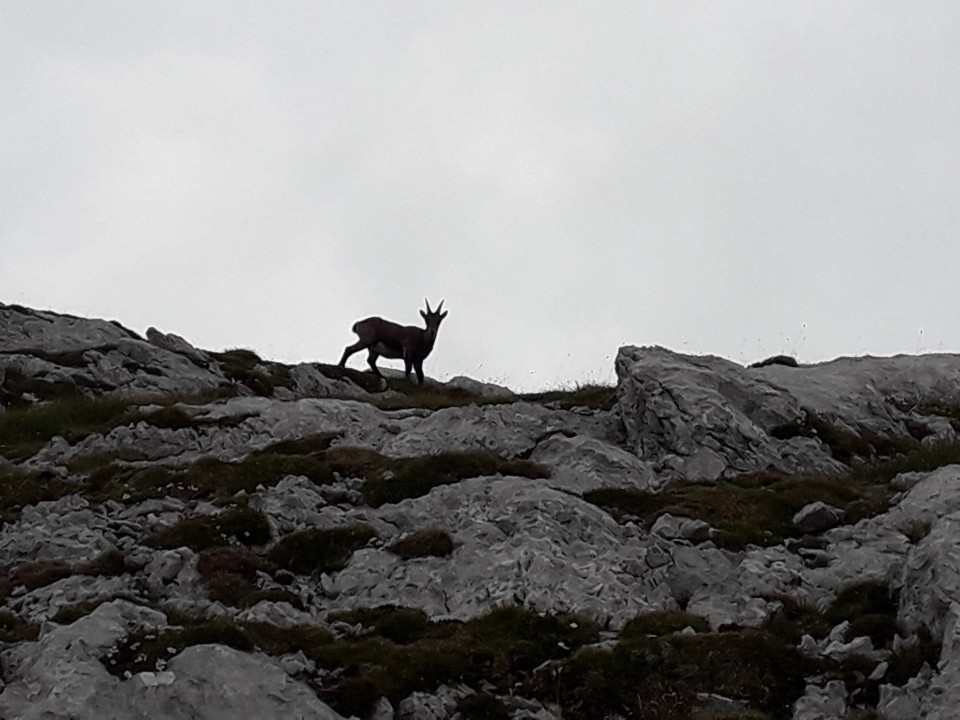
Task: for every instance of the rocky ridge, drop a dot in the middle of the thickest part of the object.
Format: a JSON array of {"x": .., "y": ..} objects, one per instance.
[{"x": 186, "y": 531}]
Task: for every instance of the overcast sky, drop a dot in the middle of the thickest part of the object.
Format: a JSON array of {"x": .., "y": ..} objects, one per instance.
[{"x": 739, "y": 179}]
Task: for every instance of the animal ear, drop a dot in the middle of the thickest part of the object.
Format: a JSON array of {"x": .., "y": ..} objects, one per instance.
[
  {"x": 423, "y": 315},
  {"x": 443, "y": 315}
]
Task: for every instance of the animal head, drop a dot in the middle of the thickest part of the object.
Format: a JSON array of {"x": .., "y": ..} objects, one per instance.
[{"x": 433, "y": 317}]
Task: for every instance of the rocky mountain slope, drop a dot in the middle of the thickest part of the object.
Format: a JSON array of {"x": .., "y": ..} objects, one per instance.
[{"x": 196, "y": 534}]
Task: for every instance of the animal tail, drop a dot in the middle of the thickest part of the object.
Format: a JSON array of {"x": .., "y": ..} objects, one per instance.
[{"x": 354, "y": 328}]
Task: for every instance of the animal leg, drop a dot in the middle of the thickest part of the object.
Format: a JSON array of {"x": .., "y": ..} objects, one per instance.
[
  {"x": 372, "y": 362},
  {"x": 418, "y": 366},
  {"x": 348, "y": 351}
]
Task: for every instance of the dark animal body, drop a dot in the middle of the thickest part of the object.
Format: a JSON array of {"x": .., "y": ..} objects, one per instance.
[{"x": 382, "y": 338}]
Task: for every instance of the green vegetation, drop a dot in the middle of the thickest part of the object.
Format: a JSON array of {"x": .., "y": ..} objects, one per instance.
[
  {"x": 423, "y": 543},
  {"x": 243, "y": 524},
  {"x": 390, "y": 481},
  {"x": 209, "y": 478},
  {"x": 19, "y": 488},
  {"x": 38, "y": 574},
  {"x": 593, "y": 397},
  {"x": 503, "y": 648},
  {"x": 230, "y": 577},
  {"x": 24, "y": 430},
  {"x": 845, "y": 444},
  {"x": 482, "y": 706},
  {"x": 13, "y": 629},
  {"x": 319, "y": 551},
  {"x": 654, "y": 671},
  {"x": 663, "y": 622},
  {"x": 751, "y": 509},
  {"x": 245, "y": 367},
  {"x": 652, "y": 678},
  {"x": 759, "y": 508}
]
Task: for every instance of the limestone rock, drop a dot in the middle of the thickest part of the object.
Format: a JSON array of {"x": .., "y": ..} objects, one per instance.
[
  {"x": 817, "y": 517},
  {"x": 581, "y": 463},
  {"x": 822, "y": 703}
]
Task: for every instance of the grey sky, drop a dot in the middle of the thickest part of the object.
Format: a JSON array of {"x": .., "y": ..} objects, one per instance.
[{"x": 740, "y": 179}]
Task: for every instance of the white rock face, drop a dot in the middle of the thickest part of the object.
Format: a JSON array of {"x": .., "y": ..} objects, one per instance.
[{"x": 534, "y": 542}]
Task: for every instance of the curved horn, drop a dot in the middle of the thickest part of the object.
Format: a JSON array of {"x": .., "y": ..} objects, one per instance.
[
  {"x": 428, "y": 305},
  {"x": 440, "y": 307}
]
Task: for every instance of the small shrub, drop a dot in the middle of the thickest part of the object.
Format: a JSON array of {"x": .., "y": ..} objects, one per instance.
[
  {"x": 13, "y": 629},
  {"x": 110, "y": 563},
  {"x": 423, "y": 543},
  {"x": 310, "y": 551},
  {"x": 246, "y": 525},
  {"x": 197, "y": 533},
  {"x": 230, "y": 577},
  {"x": 402, "y": 625}
]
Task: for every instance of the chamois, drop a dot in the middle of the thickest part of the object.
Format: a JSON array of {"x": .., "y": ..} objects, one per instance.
[{"x": 382, "y": 337}]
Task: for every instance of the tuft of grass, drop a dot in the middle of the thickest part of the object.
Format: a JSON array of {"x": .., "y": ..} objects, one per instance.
[
  {"x": 23, "y": 431},
  {"x": 230, "y": 577},
  {"x": 319, "y": 551},
  {"x": 591, "y": 396},
  {"x": 209, "y": 478},
  {"x": 663, "y": 622},
  {"x": 423, "y": 543},
  {"x": 19, "y": 488},
  {"x": 13, "y": 629},
  {"x": 243, "y": 524}
]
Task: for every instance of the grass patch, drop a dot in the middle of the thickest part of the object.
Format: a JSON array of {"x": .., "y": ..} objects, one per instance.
[
  {"x": 230, "y": 577},
  {"x": 38, "y": 574},
  {"x": 663, "y": 622},
  {"x": 593, "y": 397},
  {"x": 19, "y": 488},
  {"x": 390, "y": 481},
  {"x": 423, "y": 543},
  {"x": 14, "y": 630},
  {"x": 244, "y": 525},
  {"x": 754, "y": 509},
  {"x": 502, "y": 648},
  {"x": 651, "y": 678},
  {"x": 482, "y": 706},
  {"x": 23, "y": 431},
  {"x": 319, "y": 551},
  {"x": 209, "y": 478}
]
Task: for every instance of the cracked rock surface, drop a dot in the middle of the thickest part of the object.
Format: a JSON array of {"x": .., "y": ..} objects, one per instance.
[{"x": 112, "y": 532}]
